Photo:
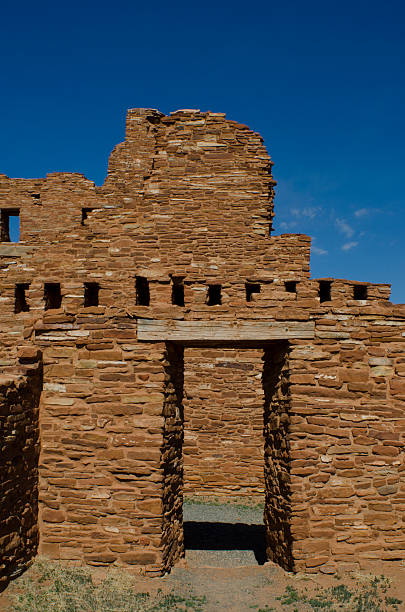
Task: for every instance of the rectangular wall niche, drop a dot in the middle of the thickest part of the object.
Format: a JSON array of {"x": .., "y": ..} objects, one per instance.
[
  {"x": 142, "y": 291},
  {"x": 85, "y": 214},
  {"x": 359, "y": 292},
  {"x": 214, "y": 297},
  {"x": 91, "y": 291},
  {"x": 252, "y": 289},
  {"x": 276, "y": 423},
  {"x": 325, "y": 291},
  {"x": 20, "y": 297},
  {"x": 10, "y": 225},
  {"x": 52, "y": 296},
  {"x": 177, "y": 291},
  {"x": 291, "y": 286}
]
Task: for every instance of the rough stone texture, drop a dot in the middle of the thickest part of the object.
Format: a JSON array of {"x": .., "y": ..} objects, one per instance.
[
  {"x": 19, "y": 446},
  {"x": 308, "y": 394},
  {"x": 223, "y": 421}
]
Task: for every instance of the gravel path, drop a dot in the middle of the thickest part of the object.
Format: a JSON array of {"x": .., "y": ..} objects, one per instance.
[
  {"x": 239, "y": 589},
  {"x": 224, "y": 513}
]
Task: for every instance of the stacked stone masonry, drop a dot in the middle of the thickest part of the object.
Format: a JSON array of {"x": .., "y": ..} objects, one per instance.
[
  {"x": 19, "y": 447},
  {"x": 165, "y": 343}
]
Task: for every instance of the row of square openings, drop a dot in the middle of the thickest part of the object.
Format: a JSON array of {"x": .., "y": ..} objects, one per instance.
[
  {"x": 214, "y": 292},
  {"x": 360, "y": 292},
  {"x": 214, "y": 297},
  {"x": 53, "y": 295}
]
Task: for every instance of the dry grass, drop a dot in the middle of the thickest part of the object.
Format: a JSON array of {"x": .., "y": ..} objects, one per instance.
[
  {"x": 51, "y": 586},
  {"x": 360, "y": 594}
]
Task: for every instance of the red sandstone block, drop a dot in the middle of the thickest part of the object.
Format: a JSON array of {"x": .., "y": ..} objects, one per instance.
[
  {"x": 50, "y": 515},
  {"x": 315, "y": 562},
  {"x": 385, "y": 450},
  {"x": 336, "y": 491},
  {"x": 140, "y": 557},
  {"x": 28, "y": 353},
  {"x": 100, "y": 558},
  {"x": 49, "y": 549}
]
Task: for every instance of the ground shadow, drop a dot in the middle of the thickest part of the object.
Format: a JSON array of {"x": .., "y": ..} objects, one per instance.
[{"x": 226, "y": 536}]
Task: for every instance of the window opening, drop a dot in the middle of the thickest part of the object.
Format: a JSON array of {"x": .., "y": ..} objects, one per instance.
[
  {"x": 325, "y": 291},
  {"x": 10, "y": 225},
  {"x": 52, "y": 296},
  {"x": 91, "y": 294},
  {"x": 291, "y": 286},
  {"x": 251, "y": 290},
  {"x": 36, "y": 198},
  {"x": 142, "y": 291},
  {"x": 177, "y": 291},
  {"x": 360, "y": 292},
  {"x": 85, "y": 213},
  {"x": 214, "y": 295},
  {"x": 20, "y": 298}
]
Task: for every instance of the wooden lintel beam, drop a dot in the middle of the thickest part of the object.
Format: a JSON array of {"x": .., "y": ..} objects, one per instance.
[{"x": 158, "y": 330}]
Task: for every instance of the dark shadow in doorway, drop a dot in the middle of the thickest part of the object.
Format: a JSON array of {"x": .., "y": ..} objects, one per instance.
[{"x": 226, "y": 536}]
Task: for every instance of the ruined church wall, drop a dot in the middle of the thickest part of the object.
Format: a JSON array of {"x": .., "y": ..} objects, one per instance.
[{"x": 190, "y": 196}]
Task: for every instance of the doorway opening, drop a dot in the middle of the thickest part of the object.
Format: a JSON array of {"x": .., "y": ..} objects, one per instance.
[{"x": 183, "y": 531}]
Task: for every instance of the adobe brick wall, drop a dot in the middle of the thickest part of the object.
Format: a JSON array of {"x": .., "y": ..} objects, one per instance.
[{"x": 312, "y": 420}]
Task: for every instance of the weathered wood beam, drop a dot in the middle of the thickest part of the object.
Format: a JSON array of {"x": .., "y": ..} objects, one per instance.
[{"x": 217, "y": 331}]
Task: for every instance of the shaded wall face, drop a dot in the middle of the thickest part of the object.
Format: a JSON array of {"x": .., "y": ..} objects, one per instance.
[
  {"x": 277, "y": 513},
  {"x": 18, "y": 474},
  {"x": 172, "y": 456},
  {"x": 223, "y": 421}
]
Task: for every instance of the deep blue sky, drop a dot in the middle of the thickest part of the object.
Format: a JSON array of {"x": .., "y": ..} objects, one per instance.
[{"x": 322, "y": 81}]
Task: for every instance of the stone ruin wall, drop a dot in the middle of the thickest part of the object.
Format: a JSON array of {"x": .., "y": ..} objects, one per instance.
[{"x": 188, "y": 199}]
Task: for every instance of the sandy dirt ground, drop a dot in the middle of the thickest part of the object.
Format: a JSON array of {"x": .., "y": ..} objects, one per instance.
[
  {"x": 252, "y": 588},
  {"x": 224, "y": 568}
]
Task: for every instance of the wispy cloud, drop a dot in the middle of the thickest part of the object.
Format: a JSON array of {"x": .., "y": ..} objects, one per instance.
[
  {"x": 319, "y": 251},
  {"x": 349, "y": 245},
  {"x": 308, "y": 211},
  {"x": 344, "y": 227},
  {"x": 362, "y": 212},
  {"x": 284, "y": 225},
  {"x": 365, "y": 212}
]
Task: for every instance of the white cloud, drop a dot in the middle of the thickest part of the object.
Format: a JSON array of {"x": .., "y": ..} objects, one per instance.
[
  {"x": 349, "y": 245},
  {"x": 308, "y": 211},
  {"x": 344, "y": 228},
  {"x": 362, "y": 212},
  {"x": 284, "y": 225},
  {"x": 319, "y": 251}
]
